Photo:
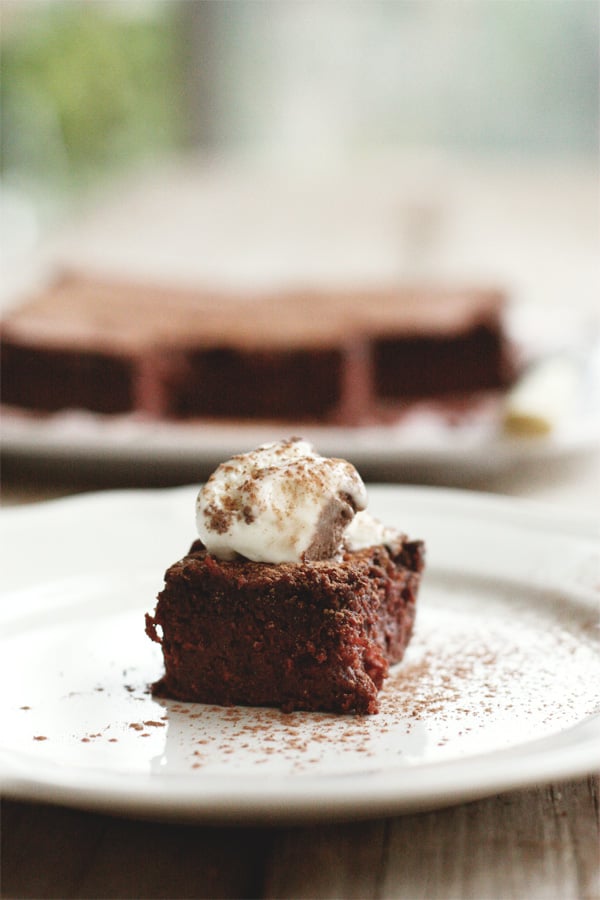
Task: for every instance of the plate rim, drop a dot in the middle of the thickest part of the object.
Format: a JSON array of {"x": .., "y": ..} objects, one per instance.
[
  {"x": 143, "y": 795},
  {"x": 555, "y": 516}
]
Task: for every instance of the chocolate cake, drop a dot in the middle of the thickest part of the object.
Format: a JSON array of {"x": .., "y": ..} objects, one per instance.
[
  {"x": 349, "y": 357},
  {"x": 294, "y": 596},
  {"x": 318, "y": 635}
]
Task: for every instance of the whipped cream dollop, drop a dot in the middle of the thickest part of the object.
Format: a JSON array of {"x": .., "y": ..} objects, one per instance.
[
  {"x": 283, "y": 502},
  {"x": 366, "y": 531}
]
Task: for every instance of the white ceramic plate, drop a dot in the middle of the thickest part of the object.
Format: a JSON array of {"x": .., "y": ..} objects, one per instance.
[{"x": 499, "y": 688}]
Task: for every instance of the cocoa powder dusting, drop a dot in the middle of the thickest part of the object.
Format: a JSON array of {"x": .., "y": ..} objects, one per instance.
[
  {"x": 218, "y": 520},
  {"x": 460, "y": 683}
]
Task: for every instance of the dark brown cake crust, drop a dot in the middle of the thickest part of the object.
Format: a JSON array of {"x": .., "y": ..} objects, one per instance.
[{"x": 313, "y": 636}]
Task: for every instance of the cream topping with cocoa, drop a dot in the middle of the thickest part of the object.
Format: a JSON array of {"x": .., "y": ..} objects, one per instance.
[
  {"x": 282, "y": 502},
  {"x": 366, "y": 531}
]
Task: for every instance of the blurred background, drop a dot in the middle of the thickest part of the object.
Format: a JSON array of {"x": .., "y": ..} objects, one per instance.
[
  {"x": 472, "y": 120},
  {"x": 296, "y": 141},
  {"x": 90, "y": 88}
]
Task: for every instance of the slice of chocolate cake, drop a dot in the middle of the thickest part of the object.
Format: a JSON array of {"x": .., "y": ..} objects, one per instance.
[
  {"x": 317, "y": 635},
  {"x": 315, "y": 610}
]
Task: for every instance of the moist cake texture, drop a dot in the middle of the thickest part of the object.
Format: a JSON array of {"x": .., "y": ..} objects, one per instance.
[
  {"x": 294, "y": 597},
  {"x": 315, "y": 636}
]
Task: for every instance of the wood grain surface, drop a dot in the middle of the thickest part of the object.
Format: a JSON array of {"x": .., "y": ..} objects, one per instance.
[{"x": 537, "y": 843}]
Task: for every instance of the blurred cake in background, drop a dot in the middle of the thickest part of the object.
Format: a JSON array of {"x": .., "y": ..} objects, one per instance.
[
  {"x": 230, "y": 292},
  {"x": 345, "y": 356}
]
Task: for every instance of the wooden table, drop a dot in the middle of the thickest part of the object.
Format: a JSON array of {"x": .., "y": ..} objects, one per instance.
[{"x": 534, "y": 843}]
